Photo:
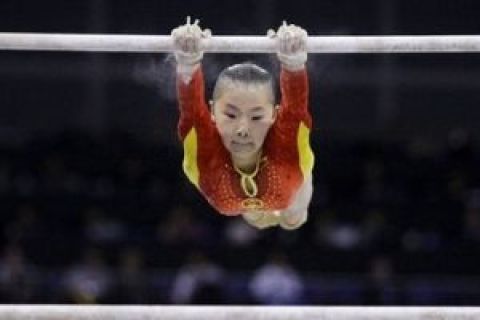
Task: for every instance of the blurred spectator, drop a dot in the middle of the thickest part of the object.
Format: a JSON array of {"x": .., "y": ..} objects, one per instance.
[
  {"x": 182, "y": 228},
  {"x": 373, "y": 227},
  {"x": 158, "y": 189},
  {"x": 199, "y": 281},
  {"x": 415, "y": 240},
  {"x": 18, "y": 279},
  {"x": 277, "y": 282},
  {"x": 132, "y": 173},
  {"x": 240, "y": 234},
  {"x": 25, "y": 183},
  {"x": 5, "y": 178},
  {"x": 373, "y": 199},
  {"x": 53, "y": 173},
  {"x": 340, "y": 235},
  {"x": 132, "y": 280},
  {"x": 88, "y": 281},
  {"x": 25, "y": 228},
  {"x": 103, "y": 187},
  {"x": 382, "y": 288},
  {"x": 373, "y": 186},
  {"x": 460, "y": 148},
  {"x": 472, "y": 218},
  {"x": 101, "y": 229}
]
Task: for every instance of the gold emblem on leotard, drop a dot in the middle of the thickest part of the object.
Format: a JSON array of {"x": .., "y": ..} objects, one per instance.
[
  {"x": 252, "y": 204},
  {"x": 250, "y": 188},
  {"x": 247, "y": 180}
]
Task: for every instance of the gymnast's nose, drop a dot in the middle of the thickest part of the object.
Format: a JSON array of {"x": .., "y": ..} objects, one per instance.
[{"x": 243, "y": 129}]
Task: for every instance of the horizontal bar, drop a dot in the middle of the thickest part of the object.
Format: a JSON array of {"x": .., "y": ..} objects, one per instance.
[
  {"x": 237, "y": 44},
  {"x": 61, "y": 312}
]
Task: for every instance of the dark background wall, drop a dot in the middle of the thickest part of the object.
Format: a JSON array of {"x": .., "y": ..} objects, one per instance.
[{"x": 373, "y": 95}]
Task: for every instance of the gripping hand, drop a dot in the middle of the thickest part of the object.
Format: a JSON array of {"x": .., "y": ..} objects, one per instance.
[
  {"x": 187, "y": 41},
  {"x": 291, "y": 45}
]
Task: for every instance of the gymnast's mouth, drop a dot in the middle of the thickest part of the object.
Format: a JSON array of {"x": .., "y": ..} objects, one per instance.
[{"x": 242, "y": 146}]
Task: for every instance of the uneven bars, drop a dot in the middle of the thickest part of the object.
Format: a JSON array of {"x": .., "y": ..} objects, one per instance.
[
  {"x": 71, "y": 312},
  {"x": 237, "y": 44}
]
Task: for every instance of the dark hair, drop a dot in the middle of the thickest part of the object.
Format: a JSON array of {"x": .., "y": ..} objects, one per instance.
[{"x": 245, "y": 73}]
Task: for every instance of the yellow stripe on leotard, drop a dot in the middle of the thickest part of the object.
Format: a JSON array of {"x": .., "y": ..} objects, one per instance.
[
  {"x": 305, "y": 152},
  {"x": 190, "y": 166}
]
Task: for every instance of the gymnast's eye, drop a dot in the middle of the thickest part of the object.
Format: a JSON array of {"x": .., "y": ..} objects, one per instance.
[
  {"x": 257, "y": 118},
  {"x": 230, "y": 115}
]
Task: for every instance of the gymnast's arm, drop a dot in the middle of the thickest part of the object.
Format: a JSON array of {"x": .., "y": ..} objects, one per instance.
[
  {"x": 294, "y": 98},
  {"x": 292, "y": 53},
  {"x": 190, "y": 83},
  {"x": 294, "y": 117},
  {"x": 191, "y": 101}
]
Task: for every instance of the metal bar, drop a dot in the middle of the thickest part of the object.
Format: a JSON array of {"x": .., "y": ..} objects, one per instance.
[
  {"x": 237, "y": 44},
  {"x": 61, "y": 312}
]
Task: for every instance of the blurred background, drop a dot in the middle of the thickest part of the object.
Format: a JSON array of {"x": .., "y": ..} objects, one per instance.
[{"x": 94, "y": 207}]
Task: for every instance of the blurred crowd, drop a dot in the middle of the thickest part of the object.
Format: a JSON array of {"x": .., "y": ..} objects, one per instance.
[{"x": 114, "y": 221}]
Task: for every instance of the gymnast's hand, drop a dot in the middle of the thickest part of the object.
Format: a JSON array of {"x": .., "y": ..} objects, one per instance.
[
  {"x": 291, "y": 46},
  {"x": 187, "y": 40}
]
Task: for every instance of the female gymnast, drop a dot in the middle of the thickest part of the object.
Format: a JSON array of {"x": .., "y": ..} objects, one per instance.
[{"x": 247, "y": 155}]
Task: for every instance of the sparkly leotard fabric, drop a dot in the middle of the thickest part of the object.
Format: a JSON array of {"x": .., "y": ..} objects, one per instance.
[{"x": 287, "y": 158}]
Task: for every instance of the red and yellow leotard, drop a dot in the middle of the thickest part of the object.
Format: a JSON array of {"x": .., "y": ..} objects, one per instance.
[{"x": 287, "y": 159}]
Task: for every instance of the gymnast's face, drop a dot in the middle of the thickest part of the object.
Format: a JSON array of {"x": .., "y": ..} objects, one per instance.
[{"x": 243, "y": 114}]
